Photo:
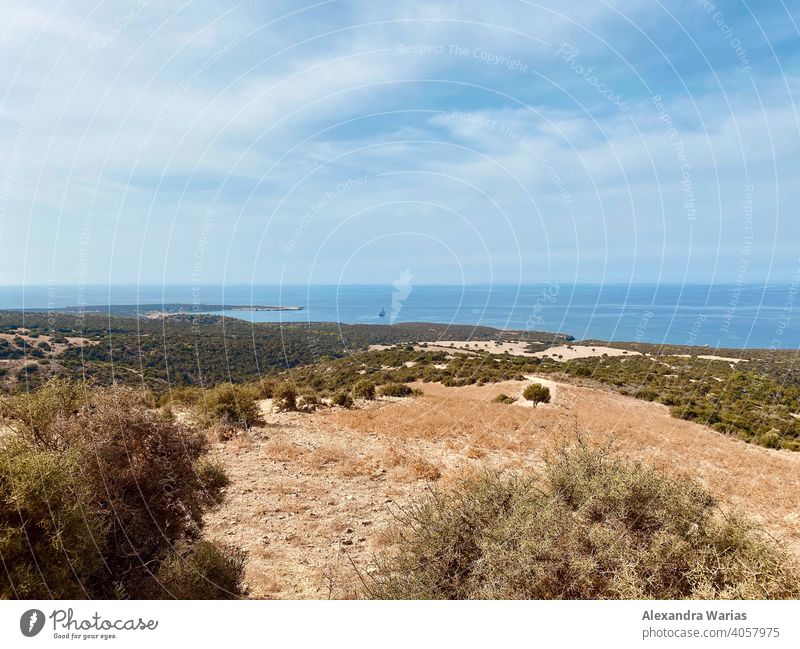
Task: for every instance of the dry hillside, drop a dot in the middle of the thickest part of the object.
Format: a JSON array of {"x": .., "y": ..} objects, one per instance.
[{"x": 312, "y": 495}]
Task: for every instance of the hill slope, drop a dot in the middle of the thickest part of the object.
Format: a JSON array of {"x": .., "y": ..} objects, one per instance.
[{"x": 312, "y": 493}]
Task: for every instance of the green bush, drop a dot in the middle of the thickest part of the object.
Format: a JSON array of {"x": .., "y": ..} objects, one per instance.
[
  {"x": 537, "y": 393},
  {"x": 267, "y": 388},
  {"x": 589, "y": 527},
  {"x": 396, "y": 390},
  {"x": 364, "y": 390},
  {"x": 183, "y": 396},
  {"x": 342, "y": 399},
  {"x": 48, "y": 533},
  {"x": 96, "y": 500},
  {"x": 503, "y": 398},
  {"x": 207, "y": 571},
  {"x": 234, "y": 404},
  {"x": 212, "y": 476},
  {"x": 307, "y": 402}
]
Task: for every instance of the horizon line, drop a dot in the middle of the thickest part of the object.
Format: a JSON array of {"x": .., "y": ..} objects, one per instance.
[{"x": 388, "y": 284}]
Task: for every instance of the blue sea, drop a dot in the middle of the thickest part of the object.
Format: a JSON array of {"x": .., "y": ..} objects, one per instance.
[{"x": 720, "y": 315}]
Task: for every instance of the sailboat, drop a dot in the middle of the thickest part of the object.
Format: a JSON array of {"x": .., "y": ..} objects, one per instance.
[{"x": 382, "y": 314}]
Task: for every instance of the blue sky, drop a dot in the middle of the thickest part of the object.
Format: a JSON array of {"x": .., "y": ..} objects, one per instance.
[{"x": 467, "y": 142}]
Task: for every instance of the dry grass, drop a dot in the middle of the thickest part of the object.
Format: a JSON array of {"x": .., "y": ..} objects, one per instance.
[
  {"x": 303, "y": 510},
  {"x": 326, "y": 455},
  {"x": 409, "y": 466},
  {"x": 283, "y": 450},
  {"x": 420, "y": 469}
]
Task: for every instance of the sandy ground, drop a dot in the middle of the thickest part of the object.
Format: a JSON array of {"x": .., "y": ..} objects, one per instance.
[
  {"x": 313, "y": 495},
  {"x": 57, "y": 348},
  {"x": 565, "y": 353},
  {"x": 562, "y": 352}
]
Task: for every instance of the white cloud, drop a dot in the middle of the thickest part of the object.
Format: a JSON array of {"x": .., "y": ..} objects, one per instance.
[{"x": 205, "y": 97}]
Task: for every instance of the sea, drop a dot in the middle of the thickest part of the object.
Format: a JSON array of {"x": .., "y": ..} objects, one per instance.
[{"x": 719, "y": 315}]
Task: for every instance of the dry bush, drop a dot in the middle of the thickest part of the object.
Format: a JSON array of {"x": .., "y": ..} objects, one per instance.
[
  {"x": 140, "y": 468},
  {"x": 221, "y": 432},
  {"x": 204, "y": 571},
  {"x": 182, "y": 396},
  {"x": 420, "y": 469},
  {"x": 284, "y": 398},
  {"x": 588, "y": 527},
  {"x": 31, "y": 415},
  {"x": 304, "y": 403},
  {"x": 414, "y": 467},
  {"x": 475, "y": 453},
  {"x": 354, "y": 466},
  {"x": 212, "y": 476},
  {"x": 120, "y": 491},
  {"x": 342, "y": 399},
  {"x": 392, "y": 457},
  {"x": 267, "y": 388}
]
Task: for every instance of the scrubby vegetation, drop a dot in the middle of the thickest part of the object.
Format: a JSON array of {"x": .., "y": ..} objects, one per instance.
[
  {"x": 537, "y": 393},
  {"x": 343, "y": 400},
  {"x": 212, "y": 476},
  {"x": 203, "y": 571},
  {"x": 757, "y": 400},
  {"x": 733, "y": 399},
  {"x": 285, "y": 397},
  {"x": 739, "y": 400},
  {"x": 588, "y": 527},
  {"x": 196, "y": 350},
  {"x": 364, "y": 390},
  {"x": 97, "y": 490},
  {"x": 233, "y": 404},
  {"x": 396, "y": 390},
  {"x": 503, "y": 398}
]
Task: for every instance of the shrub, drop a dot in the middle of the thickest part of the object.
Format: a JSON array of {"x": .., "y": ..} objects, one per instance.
[
  {"x": 94, "y": 503},
  {"x": 140, "y": 468},
  {"x": 184, "y": 396},
  {"x": 589, "y": 527},
  {"x": 267, "y": 388},
  {"x": 47, "y": 533},
  {"x": 537, "y": 393},
  {"x": 234, "y": 404},
  {"x": 342, "y": 399},
  {"x": 503, "y": 398},
  {"x": 307, "y": 402},
  {"x": 212, "y": 476},
  {"x": 207, "y": 571},
  {"x": 364, "y": 390},
  {"x": 32, "y": 414},
  {"x": 285, "y": 398},
  {"x": 396, "y": 390}
]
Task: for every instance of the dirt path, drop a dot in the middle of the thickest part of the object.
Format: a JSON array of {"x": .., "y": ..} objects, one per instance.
[{"x": 314, "y": 494}]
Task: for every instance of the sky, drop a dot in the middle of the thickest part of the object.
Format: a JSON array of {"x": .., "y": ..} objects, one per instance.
[{"x": 358, "y": 142}]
